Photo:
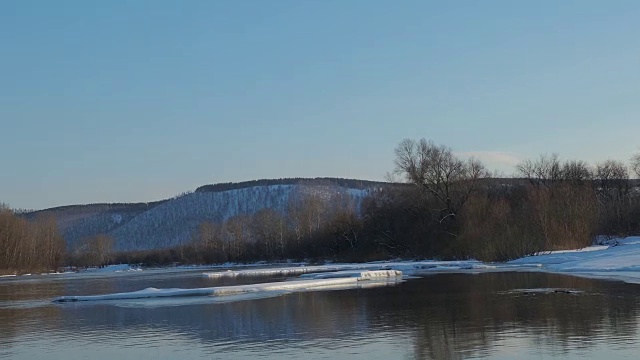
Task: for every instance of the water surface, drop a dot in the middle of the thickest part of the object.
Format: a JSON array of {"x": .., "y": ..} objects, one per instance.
[{"x": 444, "y": 316}]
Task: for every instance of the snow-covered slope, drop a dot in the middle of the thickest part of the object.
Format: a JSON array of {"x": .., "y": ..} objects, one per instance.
[{"x": 172, "y": 222}]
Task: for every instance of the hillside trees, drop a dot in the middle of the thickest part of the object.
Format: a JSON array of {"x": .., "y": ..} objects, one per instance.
[
  {"x": 270, "y": 231},
  {"x": 209, "y": 247},
  {"x": 314, "y": 225},
  {"x": 237, "y": 235},
  {"x": 93, "y": 251}
]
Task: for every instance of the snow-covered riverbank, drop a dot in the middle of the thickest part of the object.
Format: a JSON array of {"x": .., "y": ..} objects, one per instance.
[{"x": 619, "y": 261}]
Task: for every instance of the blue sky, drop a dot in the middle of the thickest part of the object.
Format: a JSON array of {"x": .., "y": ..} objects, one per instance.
[{"x": 105, "y": 101}]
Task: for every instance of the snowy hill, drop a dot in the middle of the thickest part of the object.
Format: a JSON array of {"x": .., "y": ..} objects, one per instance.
[{"x": 167, "y": 223}]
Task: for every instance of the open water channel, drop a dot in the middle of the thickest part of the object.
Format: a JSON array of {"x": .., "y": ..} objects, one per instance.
[{"x": 442, "y": 316}]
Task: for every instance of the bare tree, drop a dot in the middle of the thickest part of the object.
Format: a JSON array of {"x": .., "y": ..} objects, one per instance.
[
  {"x": 436, "y": 170},
  {"x": 29, "y": 245},
  {"x": 306, "y": 213},
  {"x": 237, "y": 234},
  {"x": 93, "y": 251},
  {"x": 52, "y": 246},
  {"x": 576, "y": 171},
  {"x": 613, "y": 190},
  {"x": 612, "y": 175},
  {"x": 209, "y": 246},
  {"x": 545, "y": 171},
  {"x": 269, "y": 228},
  {"x": 635, "y": 164}
]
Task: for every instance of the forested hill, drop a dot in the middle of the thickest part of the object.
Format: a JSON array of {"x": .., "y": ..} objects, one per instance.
[
  {"x": 167, "y": 223},
  {"x": 326, "y": 181}
]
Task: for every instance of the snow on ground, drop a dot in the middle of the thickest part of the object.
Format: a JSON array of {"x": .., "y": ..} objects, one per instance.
[
  {"x": 351, "y": 279},
  {"x": 617, "y": 262}
]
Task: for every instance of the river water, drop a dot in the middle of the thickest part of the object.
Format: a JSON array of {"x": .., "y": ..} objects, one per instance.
[{"x": 443, "y": 316}]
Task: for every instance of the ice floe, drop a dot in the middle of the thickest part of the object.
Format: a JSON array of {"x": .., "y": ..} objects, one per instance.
[
  {"x": 362, "y": 275},
  {"x": 283, "y": 286},
  {"x": 407, "y": 267}
]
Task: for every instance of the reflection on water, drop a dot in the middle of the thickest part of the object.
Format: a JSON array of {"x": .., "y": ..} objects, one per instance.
[{"x": 446, "y": 316}]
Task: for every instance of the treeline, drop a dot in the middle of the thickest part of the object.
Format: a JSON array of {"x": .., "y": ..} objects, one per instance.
[
  {"x": 457, "y": 211},
  {"x": 313, "y": 227},
  {"x": 90, "y": 208},
  {"x": 329, "y": 181},
  {"x": 446, "y": 208},
  {"x": 37, "y": 246},
  {"x": 27, "y": 246},
  {"x": 454, "y": 210}
]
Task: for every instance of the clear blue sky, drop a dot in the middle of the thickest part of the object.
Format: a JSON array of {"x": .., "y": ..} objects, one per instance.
[{"x": 105, "y": 101}]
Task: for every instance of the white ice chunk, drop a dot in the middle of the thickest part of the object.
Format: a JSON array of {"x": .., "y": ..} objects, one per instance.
[
  {"x": 284, "y": 271},
  {"x": 367, "y": 274},
  {"x": 408, "y": 267},
  {"x": 234, "y": 290}
]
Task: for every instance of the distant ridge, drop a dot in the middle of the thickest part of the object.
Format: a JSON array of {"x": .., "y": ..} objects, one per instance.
[
  {"x": 327, "y": 181},
  {"x": 96, "y": 207},
  {"x": 170, "y": 222}
]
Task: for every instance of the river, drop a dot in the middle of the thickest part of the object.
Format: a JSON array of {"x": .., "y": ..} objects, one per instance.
[{"x": 443, "y": 316}]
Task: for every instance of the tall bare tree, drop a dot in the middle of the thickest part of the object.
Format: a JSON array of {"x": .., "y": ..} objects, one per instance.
[
  {"x": 29, "y": 246},
  {"x": 576, "y": 171},
  {"x": 52, "y": 246},
  {"x": 237, "y": 234},
  {"x": 546, "y": 170},
  {"x": 613, "y": 189},
  {"x": 269, "y": 228},
  {"x": 438, "y": 172},
  {"x": 635, "y": 164}
]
